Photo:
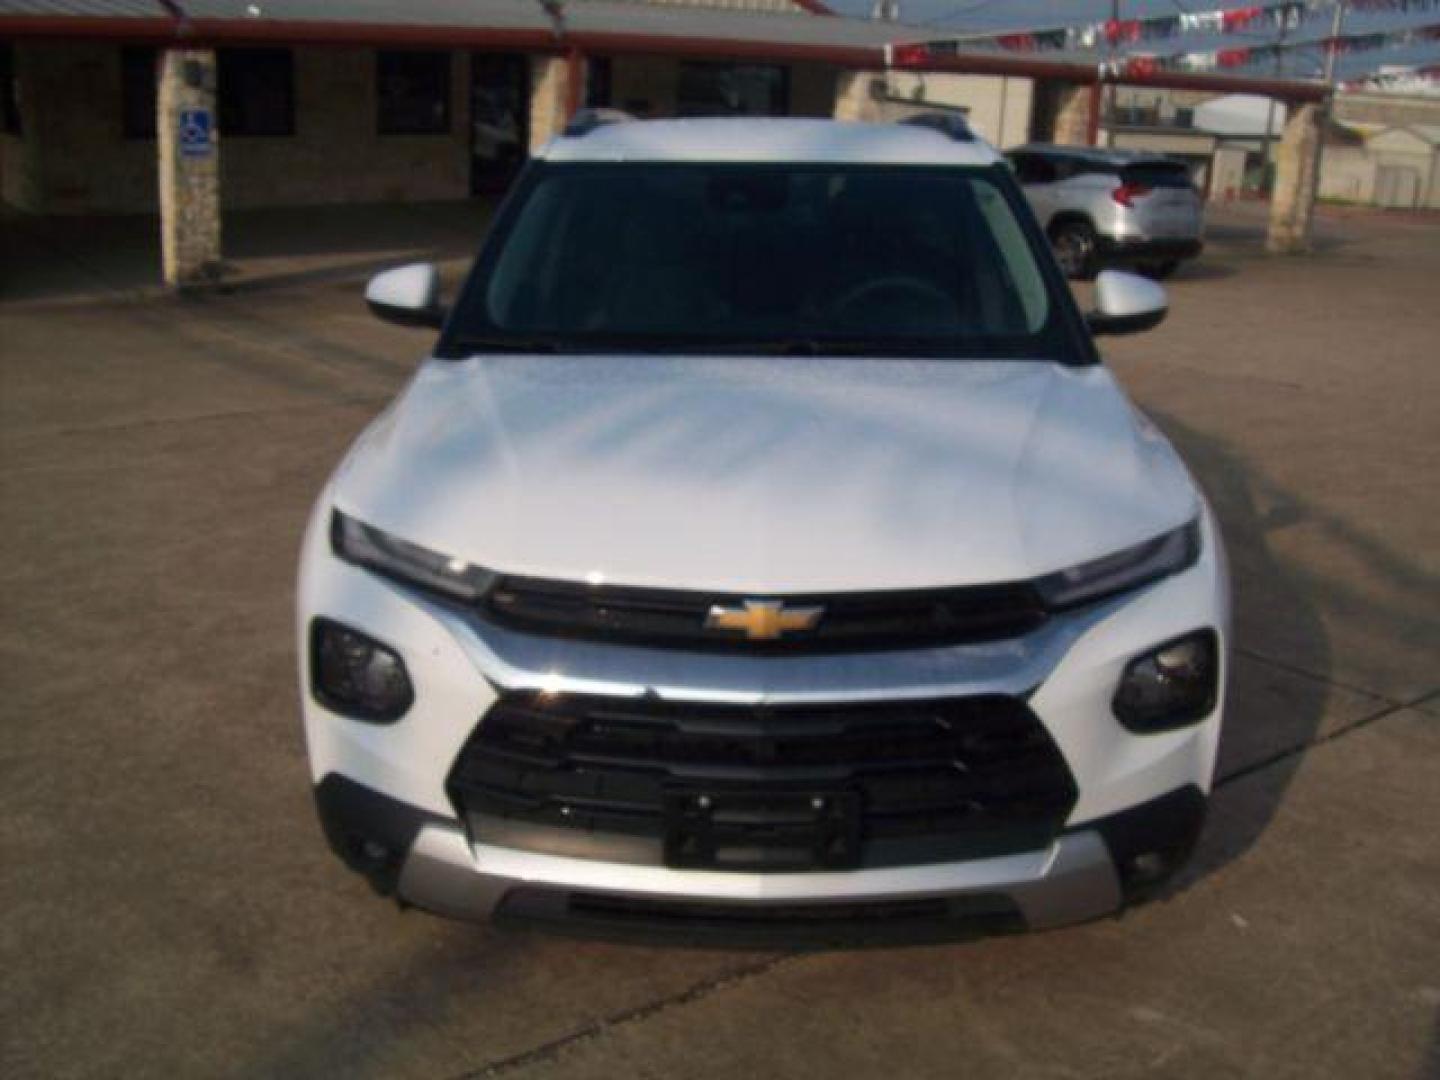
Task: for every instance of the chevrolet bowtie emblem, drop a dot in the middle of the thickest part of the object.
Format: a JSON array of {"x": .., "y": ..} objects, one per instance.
[{"x": 763, "y": 620}]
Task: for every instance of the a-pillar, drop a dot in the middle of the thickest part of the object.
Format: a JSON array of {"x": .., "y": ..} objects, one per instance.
[
  {"x": 188, "y": 146},
  {"x": 556, "y": 89},
  {"x": 856, "y": 97},
  {"x": 1297, "y": 176}
]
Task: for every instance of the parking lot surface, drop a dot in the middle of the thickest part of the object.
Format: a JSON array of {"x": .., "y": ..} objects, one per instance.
[{"x": 170, "y": 908}]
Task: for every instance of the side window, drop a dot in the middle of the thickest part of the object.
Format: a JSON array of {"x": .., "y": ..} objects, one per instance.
[
  {"x": 412, "y": 92},
  {"x": 256, "y": 92},
  {"x": 1034, "y": 169}
]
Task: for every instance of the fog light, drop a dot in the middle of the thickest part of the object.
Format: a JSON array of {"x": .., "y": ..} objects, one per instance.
[
  {"x": 355, "y": 675},
  {"x": 1170, "y": 687}
]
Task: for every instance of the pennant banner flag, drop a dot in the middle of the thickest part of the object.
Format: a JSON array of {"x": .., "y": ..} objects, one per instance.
[
  {"x": 919, "y": 54},
  {"x": 1280, "y": 17}
]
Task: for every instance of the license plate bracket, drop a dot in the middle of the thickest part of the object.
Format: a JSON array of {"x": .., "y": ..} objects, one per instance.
[{"x": 749, "y": 829}]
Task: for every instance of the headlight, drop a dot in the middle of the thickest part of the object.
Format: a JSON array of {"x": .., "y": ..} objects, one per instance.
[
  {"x": 365, "y": 545},
  {"x": 1159, "y": 557},
  {"x": 1171, "y": 686},
  {"x": 355, "y": 675}
]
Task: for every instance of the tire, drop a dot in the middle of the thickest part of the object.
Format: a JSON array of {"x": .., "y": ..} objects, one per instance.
[
  {"x": 1076, "y": 249},
  {"x": 1160, "y": 270}
]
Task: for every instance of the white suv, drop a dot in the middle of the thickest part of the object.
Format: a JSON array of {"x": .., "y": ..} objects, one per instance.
[
  {"x": 1112, "y": 207},
  {"x": 763, "y": 545}
]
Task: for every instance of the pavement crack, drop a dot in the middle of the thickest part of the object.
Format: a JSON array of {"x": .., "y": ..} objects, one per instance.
[
  {"x": 696, "y": 992},
  {"x": 124, "y": 426},
  {"x": 1390, "y": 709},
  {"x": 1306, "y": 673}
]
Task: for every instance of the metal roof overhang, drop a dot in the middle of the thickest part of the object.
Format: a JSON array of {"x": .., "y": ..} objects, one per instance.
[{"x": 595, "y": 26}]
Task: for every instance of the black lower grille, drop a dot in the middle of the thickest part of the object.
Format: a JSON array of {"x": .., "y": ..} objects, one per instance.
[
  {"x": 738, "y": 787},
  {"x": 905, "y": 619},
  {"x": 768, "y": 924}
]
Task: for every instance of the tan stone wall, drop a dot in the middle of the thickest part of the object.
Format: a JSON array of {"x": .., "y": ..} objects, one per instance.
[
  {"x": 998, "y": 108},
  {"x": 549, "y": 96},
  {"x": 1292, "y": 205},
  {"x": 855, "y": 96},
  {"x": 1072, "y": 118},
  {"x": 1347, "y": 173},
  {"x": 337, "y": 155},
  {"x": 81, "y": 162},
  {"x": 189, "y": 184},
  {"x": 1392, "y": 110},
  {"x": 75, "y": 157}
]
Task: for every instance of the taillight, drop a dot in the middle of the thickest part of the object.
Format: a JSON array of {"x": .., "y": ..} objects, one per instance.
[{"x": 1126, "y": 194}]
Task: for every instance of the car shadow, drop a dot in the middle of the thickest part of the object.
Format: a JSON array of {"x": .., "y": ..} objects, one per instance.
[{"x": 1274, "y": 708}]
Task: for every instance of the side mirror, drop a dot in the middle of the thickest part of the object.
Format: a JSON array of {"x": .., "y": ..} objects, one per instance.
[
  {"x": 1126, "y": 304},
  {"x": 408, "y": 295}
]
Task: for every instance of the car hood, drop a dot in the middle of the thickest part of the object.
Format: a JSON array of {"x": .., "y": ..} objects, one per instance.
[{"x": 765, "y": 475}]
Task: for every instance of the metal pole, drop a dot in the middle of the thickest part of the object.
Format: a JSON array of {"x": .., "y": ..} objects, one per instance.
[
  {"x": 1337, "y": 27},
  {"x": 1110, "y": 90},
  {"x": 1266, "y": 178}
]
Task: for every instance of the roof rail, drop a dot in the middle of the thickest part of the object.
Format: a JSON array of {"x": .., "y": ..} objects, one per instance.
[
  {"x": 950, "y": 124},
  {"x": 587, "y": 120}
]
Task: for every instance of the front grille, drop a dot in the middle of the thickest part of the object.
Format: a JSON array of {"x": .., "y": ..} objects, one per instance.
[
  {"x": 676, "y": 618},
  {"x": 896, "y": 783}
]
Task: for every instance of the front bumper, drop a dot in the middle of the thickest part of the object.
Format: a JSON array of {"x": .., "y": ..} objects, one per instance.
[
  {"x": 427, "y": 860},
  {"x": 383, "y": 798}
]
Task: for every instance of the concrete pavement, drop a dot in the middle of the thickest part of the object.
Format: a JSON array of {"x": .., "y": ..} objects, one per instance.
[{"x": 170, "y": 907}]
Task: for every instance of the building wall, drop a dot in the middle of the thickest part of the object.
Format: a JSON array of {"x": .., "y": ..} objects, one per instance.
[
  {"x": 998, "y": 107},
  {"x": 1392, "y": 110},
  {"x": 336, "y": 154},
  {"x": 648, "y": 86},
  {"x": 1347, "y": 173},
  {"x": 75, "y": 158}
]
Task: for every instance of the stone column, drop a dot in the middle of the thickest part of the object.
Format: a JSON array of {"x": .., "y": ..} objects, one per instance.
[
  {"x": 1297, "y": 181},
  {"x": 1075, "y": 115},
  {"x": 549, "y": 98},
  {"x": 855, "y": 96},
  {"x": 188, "y": 144}
]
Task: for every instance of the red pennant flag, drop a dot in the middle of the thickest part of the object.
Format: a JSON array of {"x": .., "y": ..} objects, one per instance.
[
  {"x": 1239, "y": 17},
  {"x": 910, "y": 55}
]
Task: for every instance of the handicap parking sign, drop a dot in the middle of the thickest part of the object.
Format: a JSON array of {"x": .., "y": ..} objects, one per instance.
[{"x": 195, "y": 128}]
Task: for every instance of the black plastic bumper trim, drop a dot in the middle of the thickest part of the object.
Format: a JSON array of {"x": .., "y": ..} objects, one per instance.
[
  {"x": 1167, "y": 827},
  {"x": 370, "y": 832},
  {"x": 708, "y": 923}
]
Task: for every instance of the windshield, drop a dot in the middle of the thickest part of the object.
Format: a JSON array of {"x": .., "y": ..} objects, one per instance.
[{"x": 751, "y": 258}]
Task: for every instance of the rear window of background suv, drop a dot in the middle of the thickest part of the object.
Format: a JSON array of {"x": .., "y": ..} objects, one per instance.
[{"x": 1157, "y": 175}]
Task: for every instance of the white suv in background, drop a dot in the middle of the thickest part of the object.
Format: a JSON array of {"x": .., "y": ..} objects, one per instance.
[
  {"x": 763, "y": 546},
  {"x": 1112, "y": 207}
]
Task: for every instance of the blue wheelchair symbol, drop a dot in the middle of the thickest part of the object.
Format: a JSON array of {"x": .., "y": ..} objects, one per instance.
[{"x": 195, "y": 129}]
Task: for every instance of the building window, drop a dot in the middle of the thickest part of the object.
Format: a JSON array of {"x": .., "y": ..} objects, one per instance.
[
  {"x": 413, "y": 91},
  {"x": 137, "y": 91},
  {"x": 599, "y": 81},
  {"x": 9, "y": 92},
  {"x": 256, "y": 92},
  {"x": 708, "y": 89}
]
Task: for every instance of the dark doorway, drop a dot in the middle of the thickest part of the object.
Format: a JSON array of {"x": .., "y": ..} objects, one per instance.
[{"x": 499, "y": 120}]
